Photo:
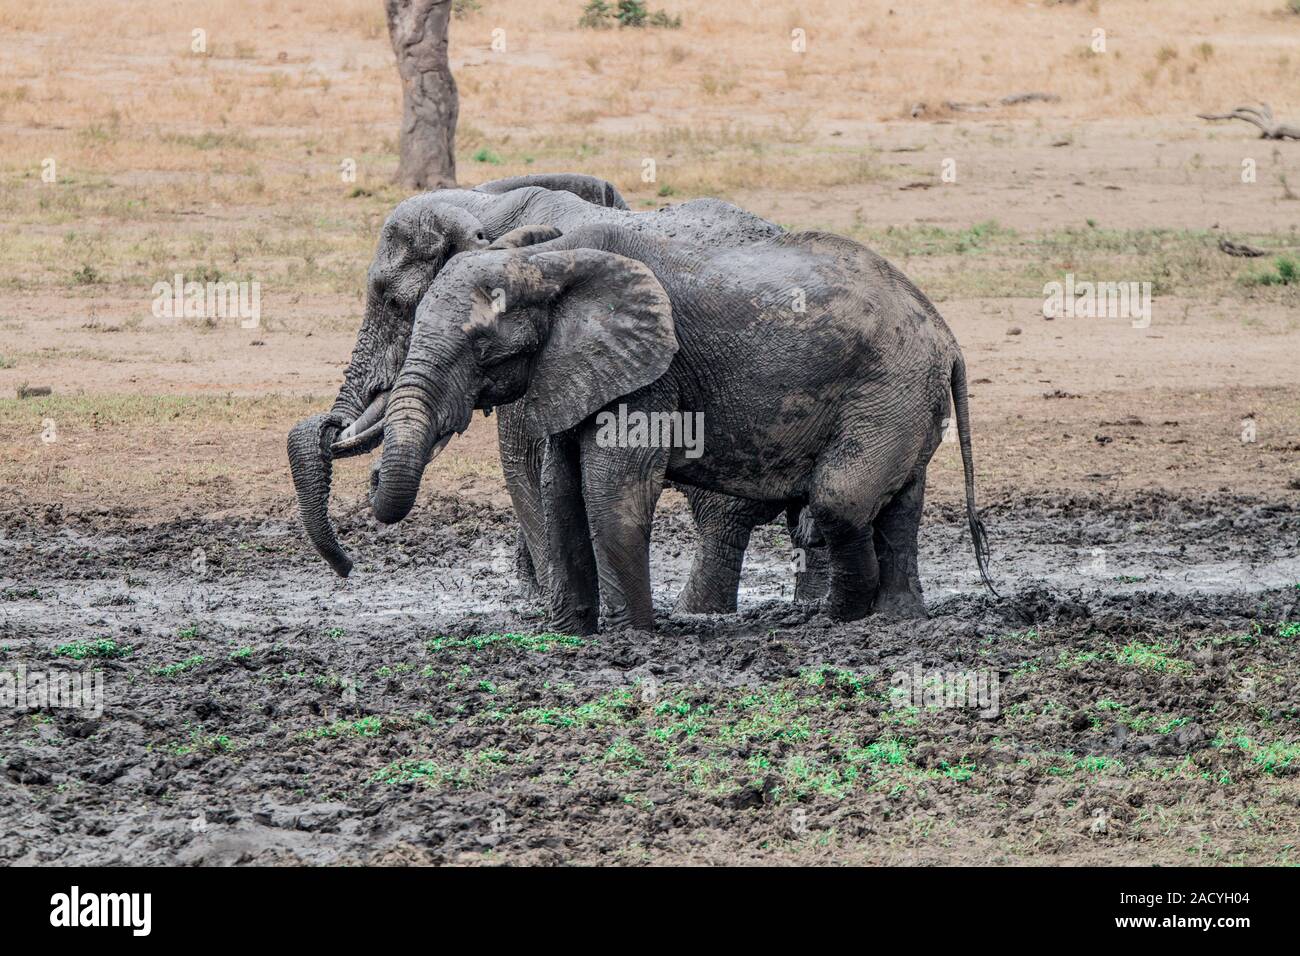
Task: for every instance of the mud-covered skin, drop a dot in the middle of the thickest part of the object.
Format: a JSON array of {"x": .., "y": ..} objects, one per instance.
[
  {"x": 336, "y": 690},
  {"x": 820, "y": 373},
  {"x": 417, "y": 240},
  {"x": 412, "y": 247}
]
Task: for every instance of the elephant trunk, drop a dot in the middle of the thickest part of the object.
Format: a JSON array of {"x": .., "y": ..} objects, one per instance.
[
  {"x": 314, "y": 443},
  {"x": 431, "y": 402},
  {"x": 408, "y": 440},
  {"x": 310, "y": 462},
  {"x": 353, "y": 425}
]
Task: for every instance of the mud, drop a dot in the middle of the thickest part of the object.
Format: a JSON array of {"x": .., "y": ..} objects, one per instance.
[{"x": 1137, "y": 698}]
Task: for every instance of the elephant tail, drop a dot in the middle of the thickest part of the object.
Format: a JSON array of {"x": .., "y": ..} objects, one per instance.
[{"x": 961, "y": 410}]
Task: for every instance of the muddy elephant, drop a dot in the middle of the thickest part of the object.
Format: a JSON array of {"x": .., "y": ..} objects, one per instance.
[
  {"x": 420, "y": 237},
  {"x": 819, "y": 373}
]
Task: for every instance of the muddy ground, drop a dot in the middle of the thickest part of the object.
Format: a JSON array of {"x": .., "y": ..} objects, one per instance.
[
  {"x": 1138, "y": 701},
  {"x": 1141, "y": 482}
]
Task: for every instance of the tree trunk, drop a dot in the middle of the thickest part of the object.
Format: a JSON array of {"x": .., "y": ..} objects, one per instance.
[{"x": 430, "y": 104}]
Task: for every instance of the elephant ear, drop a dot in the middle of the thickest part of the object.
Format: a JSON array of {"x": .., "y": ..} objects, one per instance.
[
  {"x": 611, "y": 333},
  {"x": 526, "y": 236}
]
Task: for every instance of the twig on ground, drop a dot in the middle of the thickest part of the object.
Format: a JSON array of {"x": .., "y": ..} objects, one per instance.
[
  {"x": 1240, "y": 249},
  {"x": 1260, "y": 116},
  {"x": 1011, "y": 99}
]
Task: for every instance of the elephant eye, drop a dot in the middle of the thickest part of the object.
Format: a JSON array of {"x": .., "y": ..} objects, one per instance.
[{"x": 392, "y": 303}]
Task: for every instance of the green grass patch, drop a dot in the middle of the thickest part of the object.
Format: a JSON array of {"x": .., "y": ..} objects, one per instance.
[
  {"x": 104, "y": 647},
  {"x": 1284, "y": 271},
  {"x": 1152, "y": 657},
  {"x": 1277, "y": 757},
  {"x": 469, "y": 770},
  {"x": 541, "y": 643},
  {"x": 369, "y": 726},
  {"x": 20, "y": 594},
  {"x": 180, "y": 667},
  {"x": 1068, "y": 764},
  {"x": 609, "y": 709}
]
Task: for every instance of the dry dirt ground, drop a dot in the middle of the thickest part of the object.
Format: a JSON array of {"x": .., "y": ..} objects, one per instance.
[{"x": 1141, "y": 485}]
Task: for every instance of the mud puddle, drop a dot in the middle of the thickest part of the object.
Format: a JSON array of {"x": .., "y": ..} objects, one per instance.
[
  {"x": 1131, "y": 697},
  {"x": 434, "y": 571}
]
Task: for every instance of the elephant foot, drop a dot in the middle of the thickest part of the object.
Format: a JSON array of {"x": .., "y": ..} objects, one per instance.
[
  {"x": 906, "y": 605},
  {"x": 577, "y": 621},
  {"x": 848, "y": 601},
  {"x": 843, "y": 610},
  {"x": 713, "y": 583},
  {"x": 812, "y": 582},
  {"x": 809, "y": 586},
  {"x": 528, "y": 585},
  {"x": 629, "y": 622},
  {"x": 694, "y": 602}
]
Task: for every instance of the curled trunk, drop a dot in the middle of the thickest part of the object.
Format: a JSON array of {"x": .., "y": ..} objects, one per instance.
[
  {"x": 310, "y": 461},
  {"x": 314, "y": 443},
  {"x": 408, "y": 441}
]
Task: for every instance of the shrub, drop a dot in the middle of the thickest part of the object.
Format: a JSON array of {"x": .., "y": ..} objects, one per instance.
[
  {"x": 599, "y": 15},
  {"x": 1287, "y": 271}
]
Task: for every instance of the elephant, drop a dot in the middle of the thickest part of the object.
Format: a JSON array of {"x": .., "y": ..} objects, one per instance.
[
  {"x": 418, "y": 239},
  {"x": 823, "y": 375}
]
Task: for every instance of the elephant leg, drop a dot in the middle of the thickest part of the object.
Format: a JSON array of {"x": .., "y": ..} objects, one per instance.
[
  {"x": 854, "y": 572},
  {"x": 895, "y": 533},
  {"x": 525, "y": 570},
  {"x": 621, "y": 487},
  {"x": 847, "y": 494},
  {"x": 724, "y": 524},
  {"x": 812, "y": 576},
  {"x": 521, "y": 464},
  {"x": 572, "y": 575}
]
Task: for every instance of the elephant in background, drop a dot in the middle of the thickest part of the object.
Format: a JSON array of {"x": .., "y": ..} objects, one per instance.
[
  {"x": 823, "y": 374},
  {"x": 419, "y": 238},
  {"x": 596, "y": 191}
]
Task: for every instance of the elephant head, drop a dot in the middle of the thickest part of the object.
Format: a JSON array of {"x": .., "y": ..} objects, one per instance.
[
  {"x": 417, "y": 240},
  {"x": 568, "y": 330}
]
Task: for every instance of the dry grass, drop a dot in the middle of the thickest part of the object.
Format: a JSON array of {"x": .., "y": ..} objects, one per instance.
[
  {"x": 227, "y": 165},
  {"x": 229, "y": 162},
  {"x": 283, "y": 95},
  {"x": 197, "y": 453}
]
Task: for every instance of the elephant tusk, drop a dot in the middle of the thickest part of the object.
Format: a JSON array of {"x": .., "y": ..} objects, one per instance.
[
  {"x": 360, "y": 435},
  {"x": 359, "y": 443},
  {"x": 438, "y": 446}
]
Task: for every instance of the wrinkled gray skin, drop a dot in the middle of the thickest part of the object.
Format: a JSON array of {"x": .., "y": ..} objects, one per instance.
[
  {"x": 838, "y": 405},
  {"x": 418, "y": 239}
]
